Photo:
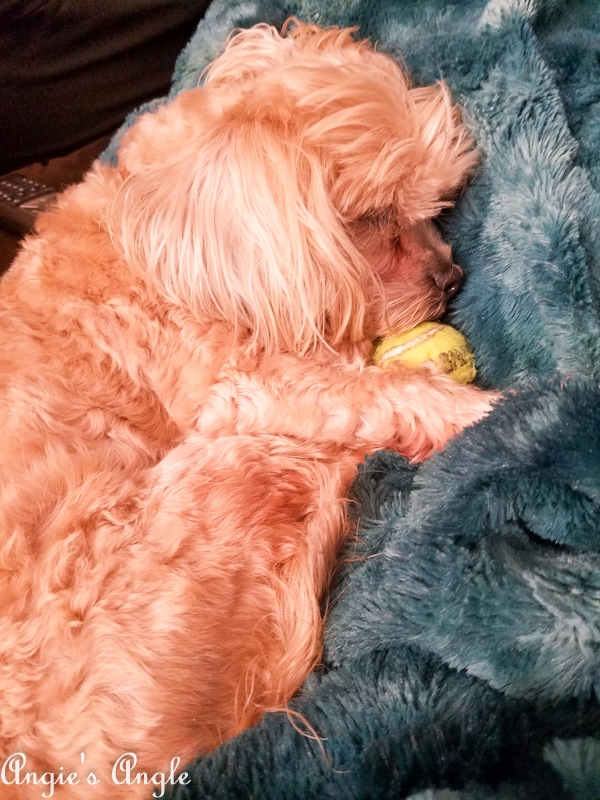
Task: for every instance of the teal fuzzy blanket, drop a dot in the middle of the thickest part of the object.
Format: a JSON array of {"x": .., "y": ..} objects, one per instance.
[{"x": 462, "y": 653}]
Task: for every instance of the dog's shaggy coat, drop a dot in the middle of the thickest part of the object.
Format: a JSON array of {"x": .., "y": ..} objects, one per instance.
[{"x": 185, "y": 393}]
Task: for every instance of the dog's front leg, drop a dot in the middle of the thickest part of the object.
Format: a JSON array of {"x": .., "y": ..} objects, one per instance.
[{"x": 413, "y": 411}]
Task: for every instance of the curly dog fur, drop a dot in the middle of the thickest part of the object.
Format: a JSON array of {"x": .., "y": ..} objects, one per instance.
[{"x": 185, "y": 391}]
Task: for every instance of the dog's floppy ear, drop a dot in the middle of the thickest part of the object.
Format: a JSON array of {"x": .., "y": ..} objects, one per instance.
[
  {"x": 443, "y": 156},
  {"x": 383, "y": 142},
  {"x": 232, "y": 220},
  {"x": 388, "y": 146}
]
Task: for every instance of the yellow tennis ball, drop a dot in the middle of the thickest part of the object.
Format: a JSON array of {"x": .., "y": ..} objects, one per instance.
[{"x": 429, "y": 341}]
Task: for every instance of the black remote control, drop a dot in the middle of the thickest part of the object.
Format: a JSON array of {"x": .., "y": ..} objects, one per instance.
[{"x": 21, "y": 200}]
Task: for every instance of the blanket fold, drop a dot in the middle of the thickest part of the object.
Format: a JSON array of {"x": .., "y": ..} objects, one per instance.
[
  {"x": 455, "y": 729},
  {"x": 491, "y": 561}
]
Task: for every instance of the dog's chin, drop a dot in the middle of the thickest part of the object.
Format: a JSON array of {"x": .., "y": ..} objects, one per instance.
[
  {"x": 405, "y": 318},
  {"x": 406, "y": 309}
]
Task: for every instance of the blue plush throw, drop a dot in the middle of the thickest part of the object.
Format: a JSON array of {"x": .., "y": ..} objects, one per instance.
[{"x": 462, "y": 655}]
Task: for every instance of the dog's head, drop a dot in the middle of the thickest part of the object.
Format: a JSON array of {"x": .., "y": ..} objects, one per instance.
[{"x": 292, "y": 195}]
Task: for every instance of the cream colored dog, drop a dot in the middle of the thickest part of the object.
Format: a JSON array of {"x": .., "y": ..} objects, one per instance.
[{"x": 185, "y": 392}]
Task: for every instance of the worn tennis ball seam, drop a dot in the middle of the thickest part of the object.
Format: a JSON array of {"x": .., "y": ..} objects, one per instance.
[{"x": 398, "y": 349}]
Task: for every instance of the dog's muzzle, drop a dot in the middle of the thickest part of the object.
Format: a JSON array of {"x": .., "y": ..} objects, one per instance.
[{"x": 449, "y": 278}]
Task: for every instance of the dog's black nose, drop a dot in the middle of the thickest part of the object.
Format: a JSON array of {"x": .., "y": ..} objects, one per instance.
[{"x": 449, "y": 279}]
